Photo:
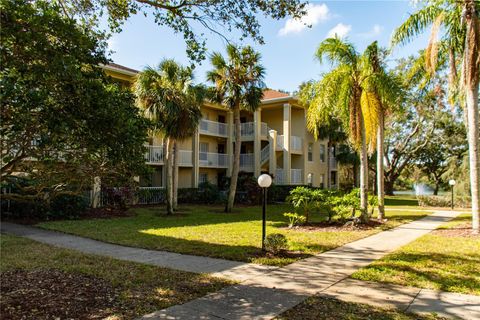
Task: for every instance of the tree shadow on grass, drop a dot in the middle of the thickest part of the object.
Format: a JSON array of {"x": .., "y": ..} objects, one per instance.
[
  {"x": 441, "y": 271},
  {"x": 391, "y": 201}
]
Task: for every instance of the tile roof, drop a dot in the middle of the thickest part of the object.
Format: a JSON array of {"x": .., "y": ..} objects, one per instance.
[
  {"x": 119, "y": 66},
  {"x": 272, "y": 94}
]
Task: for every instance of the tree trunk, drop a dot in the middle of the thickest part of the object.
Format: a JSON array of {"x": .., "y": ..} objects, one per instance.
[
  {"x": 471, "y": 53},
  {"x": 236, "y": 160},
  {"x": 169, "y": 167},
  {"x": 363, "y": 174},
  {"x": 389, "y": 187},
  {"x": 435, "y": 190},
  {"x": 328, "y": 164},
  {"x": 380, "y": 171},
  {"x": 175, "y": 175}
]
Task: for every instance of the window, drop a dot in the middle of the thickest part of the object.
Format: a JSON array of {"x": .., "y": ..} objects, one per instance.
[
  {"x": 322, "y": 153},
  {"x": 333, "y": 178},
  {"x": 310, "y": 151},
  {"x": 203, "y": 178}
]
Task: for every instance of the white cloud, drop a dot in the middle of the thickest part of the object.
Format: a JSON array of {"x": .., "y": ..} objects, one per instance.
[
  {"x": 376, "y": 30},
  {"x": 316, "y": 13},
  {"x": 340, "y": 30}
]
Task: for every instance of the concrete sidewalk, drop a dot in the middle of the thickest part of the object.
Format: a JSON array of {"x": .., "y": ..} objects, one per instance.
[
  {"x": 268, "y": 291},
  {"x": 266, "y": 296},
  {"x": 235, "y": 270}
]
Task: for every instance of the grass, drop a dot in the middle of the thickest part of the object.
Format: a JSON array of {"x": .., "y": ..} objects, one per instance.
[
  {"x": 139, "y": 288},
  {"x": 447, "y": 261},
  {"x": 207, "y": 231},
  {"x": 328, "y": 308}
]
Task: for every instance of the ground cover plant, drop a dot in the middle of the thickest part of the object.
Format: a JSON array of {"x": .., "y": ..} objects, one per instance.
[
  {"x": 328, "y": 308},
  {"x": 40, "y": 282},
  {"x": 447, "y": 259},
  {"x": 207, "y": 231}
]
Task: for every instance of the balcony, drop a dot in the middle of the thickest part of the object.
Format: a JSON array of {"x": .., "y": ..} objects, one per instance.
[
  {"x": 333, "y": 163},
  {"x": 246, "y": 162},
  {"x": 213, "y": 128},
  {"x": 248, "y": 130},
  {"x": 279, "y": 146},
  {"x": 296, "y": 144},
  {"x": 296, "y": 176},
  {"x": 154, "y": 154},
  {"x": 213, "y": 160},
  {"x": 279, "y": 177},
  {"x": 185, "y": 158}
]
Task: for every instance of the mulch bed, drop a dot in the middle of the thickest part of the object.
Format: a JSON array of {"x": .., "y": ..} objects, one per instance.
[
  {"x": 53, "y": 294},
  {"x": 335, "y": 226},
  {"x": 462, "y": 230}
]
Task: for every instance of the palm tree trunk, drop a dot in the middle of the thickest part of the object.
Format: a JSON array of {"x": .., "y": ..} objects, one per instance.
[
  {"x": 175, "y": 175},
  {"x": 364, "y": 217},
  {"x": 328, "y": 164},
  {"x": 169, "y": 157},
  {"x": 472, "y": 71},
  {"x": 236, "y": 160},
  {"x": 380, "y": 172}
]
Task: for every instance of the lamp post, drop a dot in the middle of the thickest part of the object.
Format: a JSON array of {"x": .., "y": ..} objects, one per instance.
[
  {"x": 264, "y": 181},
  {"x": 452, "y": 184}
]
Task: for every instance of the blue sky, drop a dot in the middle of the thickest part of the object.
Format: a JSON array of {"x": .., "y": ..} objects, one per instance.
[{"x": 289, "y": 49}]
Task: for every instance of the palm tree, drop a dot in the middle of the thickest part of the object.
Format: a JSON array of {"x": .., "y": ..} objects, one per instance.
[
  {"x": 238, "y": 84},
  {"x": 461, "y": 43},
  {"x": 342, "y": 94},
  {"x": 388, "y": 91},
  {"x": 168, "y": 96}
]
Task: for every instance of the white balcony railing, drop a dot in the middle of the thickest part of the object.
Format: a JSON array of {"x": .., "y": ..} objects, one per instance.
[
  {"x": 185, "y": 158},
  {"x": 263, "y": 129},
  {"x": 154, "y": 154},
  {"x": 246, "y": 161},
  {"x": 279, "y": 146},
  {"x": 213, "y": 160},
  {"x": 296, "y": 144},
  {"x": 296, "y": 176},
  {"x": 247, "y": 129},
  {"x": 279, "y": 177},
  {"x": 213, "y": 128},
  {"x": 333, "y": 163}
]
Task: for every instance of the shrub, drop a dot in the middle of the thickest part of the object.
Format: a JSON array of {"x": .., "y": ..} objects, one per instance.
[
  {"x": 444, "y": 201},
  {"x": 118, "y": 198},
  {"x": 68, "y": 206},
  {"x": 208, "y": 193},
  {"x": 302, "y": 199},
  {"x": 294, "y": 219},
  {"x": 276, "y": 243}
]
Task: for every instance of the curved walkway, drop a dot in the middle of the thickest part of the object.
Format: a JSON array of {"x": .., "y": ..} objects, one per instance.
[{"x": 268, "y": 291}]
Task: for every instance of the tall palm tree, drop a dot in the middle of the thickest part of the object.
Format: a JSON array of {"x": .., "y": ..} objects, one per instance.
[
  {"x": 167, "y": 96},
  {"x": 387, "y": 89},
  {"x": 342, "y": 94},
  {"x": 460, "y": 41},
  {"x": 238, "y": 84}
]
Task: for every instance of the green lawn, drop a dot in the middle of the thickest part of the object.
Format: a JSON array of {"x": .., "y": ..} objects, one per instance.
[
  {"x": 317, "y": 307},
  {"x": 207, "y": 231},
  {"x": 446, "y": 260},
  {"x": 42, "y": 282}
]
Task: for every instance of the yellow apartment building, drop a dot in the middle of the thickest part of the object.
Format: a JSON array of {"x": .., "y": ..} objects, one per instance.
[{"x": 274, "y": 140}]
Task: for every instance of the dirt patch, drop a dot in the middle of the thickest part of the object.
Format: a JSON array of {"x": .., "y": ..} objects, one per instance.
[
  {"x": 462, "y": 230},
  {"x": 336, "y": 226},
  {"x": 53, "y": 294}
]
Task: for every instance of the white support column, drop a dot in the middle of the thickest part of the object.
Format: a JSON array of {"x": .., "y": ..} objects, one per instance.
[
  {"x": 230, "y": 139},
  {"x": 272, "y": 161},
  {"x": 195, "y": 158},
  {"x": 287, "y": 132},
  {"x": 257, "y": 142},
  {"x": 96, "y": 192}
]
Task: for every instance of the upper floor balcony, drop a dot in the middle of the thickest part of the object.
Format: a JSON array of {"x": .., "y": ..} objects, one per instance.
[
  {"x": 247, "y": 162},
  {"x": 296, "y": 144},
  {"x": 247, "y": 130},
  {"x": 213, "y": 160},
  {"x": 333, "y": 163},
  {"x": 213, "y": 128},
  {"x": 156, "y": 155}
]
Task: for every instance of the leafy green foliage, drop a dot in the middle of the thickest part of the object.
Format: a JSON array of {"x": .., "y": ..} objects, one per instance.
[
  {"x": 63, "y": 122},
  {"x": 276, "y": 243},
  {"x": 187, "y": 17},
  {"x": 294, "y": 219}
]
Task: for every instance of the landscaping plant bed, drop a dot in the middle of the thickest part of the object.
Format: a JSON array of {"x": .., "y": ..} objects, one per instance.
[
  {"x": 54, "y": 294},
  {"x": 461, "y": 230},
  {"x": 336, "y": 226}
]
